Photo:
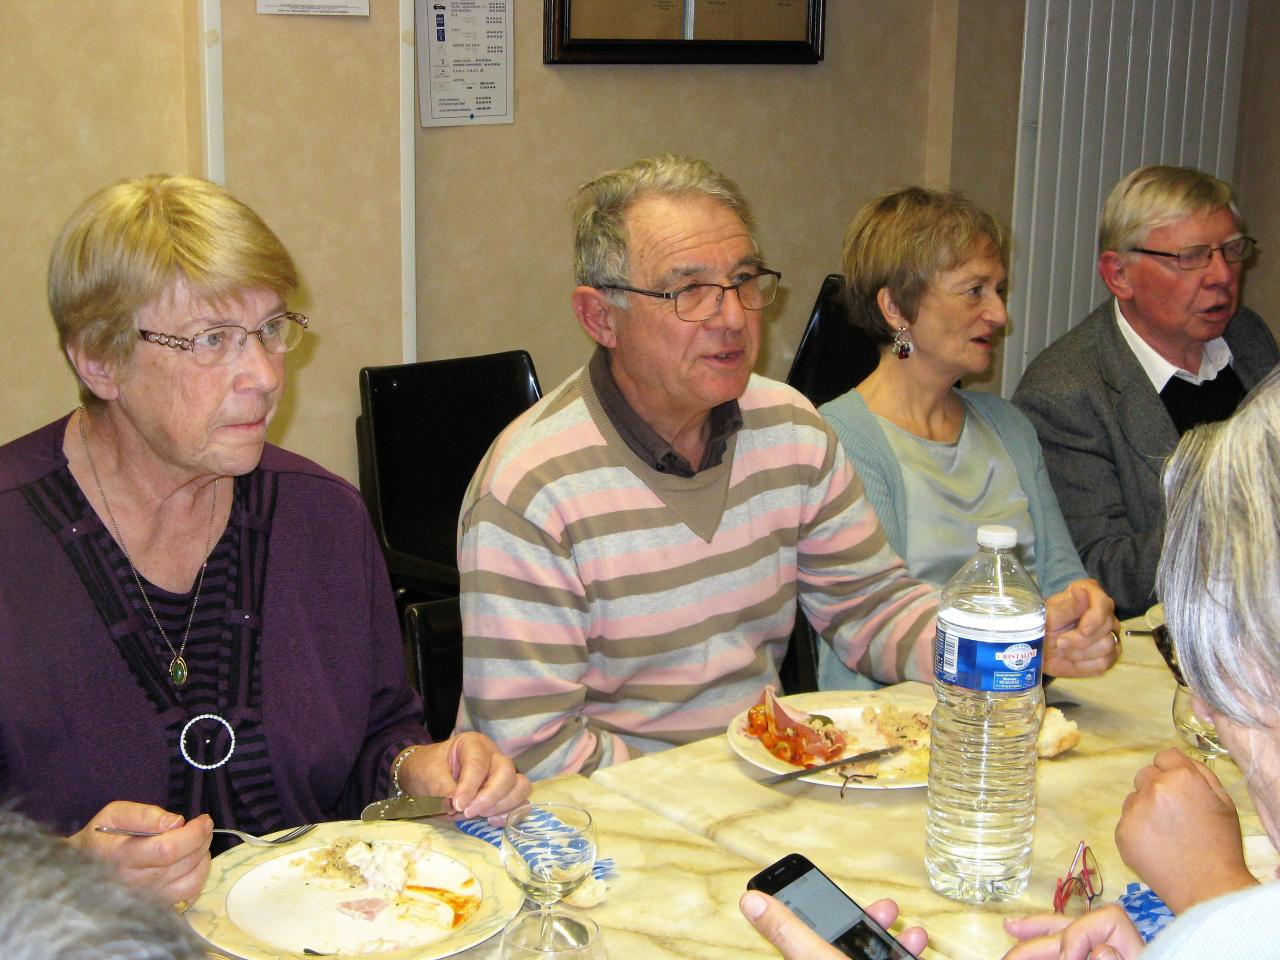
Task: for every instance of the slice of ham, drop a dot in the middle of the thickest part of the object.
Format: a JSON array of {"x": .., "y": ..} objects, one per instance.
[
  {"x": 817, "y": 745},
  {"x": 367, "y": 909}
]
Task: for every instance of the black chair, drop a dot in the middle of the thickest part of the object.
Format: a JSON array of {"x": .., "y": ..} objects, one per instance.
[
  {"x": 834, "y": 356},
  {"x": 799, "y": 670},
  {"x": 423, "y": 430},
  {"x": 433, "y": 630}
]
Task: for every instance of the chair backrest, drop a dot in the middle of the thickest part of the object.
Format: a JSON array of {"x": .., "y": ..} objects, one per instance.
[
  {"x": 426, "y": 427},
  {"x": 433, "y": 629},
  {"x": 834, "y": 356}
]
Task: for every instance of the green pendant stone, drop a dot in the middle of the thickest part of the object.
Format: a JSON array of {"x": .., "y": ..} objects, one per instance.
[{"x": 178, "y": 671}]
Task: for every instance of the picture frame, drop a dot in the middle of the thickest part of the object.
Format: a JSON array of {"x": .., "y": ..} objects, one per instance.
[{"x": 683, "y": 31}]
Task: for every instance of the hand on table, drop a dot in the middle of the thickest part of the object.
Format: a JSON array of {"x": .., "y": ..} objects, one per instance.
[
  {"x": 796, "y": 941},
  {"x": 1081, "y": 632},
  {"x": 469, "y": 769},
  {"x": 1180, "y": 832},
  {"x": 1103, "y": 934},
  {"x": 173, "y": 865}
]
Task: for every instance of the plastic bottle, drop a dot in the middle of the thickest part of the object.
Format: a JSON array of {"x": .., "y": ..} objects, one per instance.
[{"x": 982, "y": 756}]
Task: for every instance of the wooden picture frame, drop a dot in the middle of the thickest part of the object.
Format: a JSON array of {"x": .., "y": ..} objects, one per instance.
[{"x": 655, "y": 31}]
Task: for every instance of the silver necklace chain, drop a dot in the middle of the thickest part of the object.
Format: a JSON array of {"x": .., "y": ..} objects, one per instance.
[{"x": 177, "y": 665}]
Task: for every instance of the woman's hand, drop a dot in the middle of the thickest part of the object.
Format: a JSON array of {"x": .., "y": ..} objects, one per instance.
[
  {"x": 1103, "y": 934},
  {"x": 1081, "y": 632},
  {"x": 468, "y": 769},
  {"x": 1180, "y": 832},
  {"x": 173, "y": 865},
  {"x": 793, "y": 937}
]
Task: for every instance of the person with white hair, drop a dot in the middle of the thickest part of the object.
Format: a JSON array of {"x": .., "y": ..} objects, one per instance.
[
  {"x": 1218, "y": 578},
  {"x": 56, "y": 903}
]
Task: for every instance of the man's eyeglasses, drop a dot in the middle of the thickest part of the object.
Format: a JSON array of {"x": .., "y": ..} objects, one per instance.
[
  {"x": 219, "y": 344},
  {"x": 701, "y": 301},
  {"x": 1076, "y": 891},
  {"x": 1197, "y": 257}
]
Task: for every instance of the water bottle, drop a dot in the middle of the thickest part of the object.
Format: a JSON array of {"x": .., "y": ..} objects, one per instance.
[{"x": 982, "y": 756}]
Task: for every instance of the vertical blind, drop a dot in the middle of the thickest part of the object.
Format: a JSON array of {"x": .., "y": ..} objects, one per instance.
[{"x": 1107, "y": 86}]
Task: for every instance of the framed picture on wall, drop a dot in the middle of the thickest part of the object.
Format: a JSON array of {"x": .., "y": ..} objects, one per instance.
[{"x": 683, "y": 31}]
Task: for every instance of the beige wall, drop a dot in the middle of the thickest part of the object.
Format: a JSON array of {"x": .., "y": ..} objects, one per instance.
[
  {"x": 1258, "y": 158},
  {"x": 108, "y": 90},
  {"x": 808, "y": 144},
  {"x": 89, "y": 95}
]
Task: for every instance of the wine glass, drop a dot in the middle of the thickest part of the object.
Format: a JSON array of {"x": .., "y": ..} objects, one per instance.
[
  {"x": 548, "y": 850},
  {"x": 1198, "y": 733},
  {"x": 569, "y": 938}
]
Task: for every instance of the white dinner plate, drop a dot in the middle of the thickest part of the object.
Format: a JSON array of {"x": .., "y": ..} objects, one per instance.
[
  {"x": 260, "y": 904},
  {"x": 1154, "y": 617},
  {"x": 846, "y": 708}
]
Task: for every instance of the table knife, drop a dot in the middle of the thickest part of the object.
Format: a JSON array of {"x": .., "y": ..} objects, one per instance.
[
  {"x": 407, "y": 808},
  {"x": 856, "y": 758}
]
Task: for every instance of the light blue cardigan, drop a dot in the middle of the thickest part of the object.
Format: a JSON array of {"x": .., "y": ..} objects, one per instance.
[{"x": 863, "y": 439}]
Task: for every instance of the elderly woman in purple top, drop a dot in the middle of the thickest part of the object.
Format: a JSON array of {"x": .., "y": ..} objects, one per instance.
[{"x": 195, "y": 626}]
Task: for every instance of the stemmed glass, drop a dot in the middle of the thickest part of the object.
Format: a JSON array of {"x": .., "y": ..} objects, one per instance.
[
  {"x": 1195, "y": 731},
  {"x": 548, "y": 850}
]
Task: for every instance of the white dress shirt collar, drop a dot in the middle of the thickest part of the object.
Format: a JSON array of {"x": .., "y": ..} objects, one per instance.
[{"x": 1159, "y": 371}]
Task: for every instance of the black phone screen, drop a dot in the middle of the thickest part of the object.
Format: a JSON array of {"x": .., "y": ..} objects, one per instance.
[{"x": 814, "y": 898}]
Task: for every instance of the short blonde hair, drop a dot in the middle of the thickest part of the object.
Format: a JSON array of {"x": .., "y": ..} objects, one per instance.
[
  {"x": 130, "y": 242},
  {"x": 902, "y": 241},
  {"x": 599, "y": 208},
  {"x": 1153, "y": 196}
]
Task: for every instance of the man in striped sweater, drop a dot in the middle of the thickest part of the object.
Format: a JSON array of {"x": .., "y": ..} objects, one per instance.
[{"x": 633, "y": 546}]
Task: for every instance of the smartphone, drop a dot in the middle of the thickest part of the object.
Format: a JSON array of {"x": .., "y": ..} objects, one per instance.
[{"x": 815, "y": 899}]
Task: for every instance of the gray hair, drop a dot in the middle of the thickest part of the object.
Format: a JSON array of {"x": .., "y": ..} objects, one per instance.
[
  {"x": 1219, "y": 574},
  {"x": 599, "y": 208},
  {"x": 1154, "y": 196},
  {"x": 58, "y": 904}
]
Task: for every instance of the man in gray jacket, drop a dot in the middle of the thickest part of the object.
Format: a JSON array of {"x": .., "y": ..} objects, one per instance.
[{"x": 1172, "y": 348}]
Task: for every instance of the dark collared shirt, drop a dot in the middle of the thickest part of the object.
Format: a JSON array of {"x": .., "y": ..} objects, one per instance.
[{"x": 644, "y": 441}]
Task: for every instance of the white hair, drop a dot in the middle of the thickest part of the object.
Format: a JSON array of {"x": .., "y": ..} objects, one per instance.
[
  {"x": 1219, "y": 574},
  {"x": 58, "y": 904}
]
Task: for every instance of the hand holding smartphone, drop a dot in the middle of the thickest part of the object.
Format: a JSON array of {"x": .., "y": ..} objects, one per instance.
[{"x": 813, "y": 897}]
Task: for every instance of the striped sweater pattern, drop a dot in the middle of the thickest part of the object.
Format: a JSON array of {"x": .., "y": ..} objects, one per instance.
[{"x": 611, "y": 610}]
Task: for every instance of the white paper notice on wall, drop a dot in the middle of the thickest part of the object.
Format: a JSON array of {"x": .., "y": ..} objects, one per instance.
[
  {"x": 316, "y": 8},
  {"x": 464, "y": 62}
]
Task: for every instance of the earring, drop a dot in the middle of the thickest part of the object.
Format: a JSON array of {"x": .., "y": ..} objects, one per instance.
[{"x": 902, "y": 344}]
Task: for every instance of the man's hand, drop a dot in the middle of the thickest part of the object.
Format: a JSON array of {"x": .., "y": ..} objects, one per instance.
[
  {"x": 1081, "y": 632},
  {"x": 1103, "y": 934},
  {"x": 173, "y": 865},
  {"x": 468, "y": 769},
  {"x": 1180, "y": 832},
  {"x": 793, "y": 937}
]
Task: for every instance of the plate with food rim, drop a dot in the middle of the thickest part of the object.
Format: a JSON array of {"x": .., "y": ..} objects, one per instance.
[
  {"x": 866, "y": 717},
  {"x": 303, "y": 899}
]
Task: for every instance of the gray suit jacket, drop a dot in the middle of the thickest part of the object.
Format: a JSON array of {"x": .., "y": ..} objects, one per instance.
[{"x": 1106, "y": 435}]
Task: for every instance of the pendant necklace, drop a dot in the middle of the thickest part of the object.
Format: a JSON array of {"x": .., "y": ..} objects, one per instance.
[{"x": 177, "y": 665}]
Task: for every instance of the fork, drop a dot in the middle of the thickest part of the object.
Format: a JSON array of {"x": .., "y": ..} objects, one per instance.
[{"x": 248, "y": 838}]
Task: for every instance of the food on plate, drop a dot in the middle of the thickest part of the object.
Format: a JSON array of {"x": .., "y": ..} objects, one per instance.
[
  {"x": 393, "y": 876},
  {"x": 792, "y": 735},
  {"x": 1057, "y": 734},
  {"x": 899, "y": 727}
]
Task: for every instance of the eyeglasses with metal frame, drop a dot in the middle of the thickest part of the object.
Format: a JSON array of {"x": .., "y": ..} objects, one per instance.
[
  {"x": 213, "y": 346},
  {"x": 1075, "y": 892},
  {"x": 701, "y": 301},
  {"x": 1197, "y": 257}
]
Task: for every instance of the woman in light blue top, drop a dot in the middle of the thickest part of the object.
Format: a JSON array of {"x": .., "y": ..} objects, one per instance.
[{"x": 925, "y": 279}]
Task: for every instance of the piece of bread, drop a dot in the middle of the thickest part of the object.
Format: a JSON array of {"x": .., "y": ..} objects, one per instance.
[{"x": 1057, "y": 734}]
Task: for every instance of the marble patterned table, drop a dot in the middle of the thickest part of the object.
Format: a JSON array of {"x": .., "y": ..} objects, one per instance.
[{"x": 872, "y": 842}]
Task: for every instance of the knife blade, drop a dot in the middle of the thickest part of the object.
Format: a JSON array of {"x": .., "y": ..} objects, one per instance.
[
  {"x": 407, "y": 808},
  {"x": 856, "y": 758}
]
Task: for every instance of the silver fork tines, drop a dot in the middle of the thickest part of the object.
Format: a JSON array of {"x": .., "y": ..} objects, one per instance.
[{"x": 248, "y": 838}]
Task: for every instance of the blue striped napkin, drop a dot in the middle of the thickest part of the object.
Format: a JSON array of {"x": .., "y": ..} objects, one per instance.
[
  {"x": 1147, "y": 911},
  {"x": 479, "y": 828}
]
